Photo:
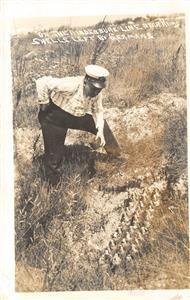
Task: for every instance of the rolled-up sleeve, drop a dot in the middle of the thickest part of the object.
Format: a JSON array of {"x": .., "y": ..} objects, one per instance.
[{"x": 42, "y": 87}]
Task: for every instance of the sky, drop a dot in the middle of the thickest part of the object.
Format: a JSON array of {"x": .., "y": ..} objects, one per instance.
[{"x": 24, "y": 25}]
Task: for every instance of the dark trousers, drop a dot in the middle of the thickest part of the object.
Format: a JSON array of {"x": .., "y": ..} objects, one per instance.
[{"x": 54, "y": 123}]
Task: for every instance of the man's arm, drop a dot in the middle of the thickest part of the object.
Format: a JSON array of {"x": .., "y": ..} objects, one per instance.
[{"x": 98, "y": 116}]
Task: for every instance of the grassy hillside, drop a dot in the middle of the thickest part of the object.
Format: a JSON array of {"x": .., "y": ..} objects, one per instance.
[{"x": 110, "y": 223}]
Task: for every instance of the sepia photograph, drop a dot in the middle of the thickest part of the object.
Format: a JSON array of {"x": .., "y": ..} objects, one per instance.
[{"x": 100, "y": 153}]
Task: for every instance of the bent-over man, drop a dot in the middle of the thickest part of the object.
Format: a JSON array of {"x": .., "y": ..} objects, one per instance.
[{"x": 75, "y": 103}]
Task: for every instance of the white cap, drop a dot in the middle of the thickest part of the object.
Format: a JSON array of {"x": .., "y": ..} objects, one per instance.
[
  {"x": 96, "y": 71},
  {"x": 98, "y": 75}
]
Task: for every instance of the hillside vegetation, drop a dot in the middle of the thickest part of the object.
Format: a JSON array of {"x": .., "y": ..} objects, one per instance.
[{"x": 110, "y": 223}]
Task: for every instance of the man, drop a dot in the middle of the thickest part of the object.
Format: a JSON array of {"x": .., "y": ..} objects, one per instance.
[{"x": 76, "y": 103}]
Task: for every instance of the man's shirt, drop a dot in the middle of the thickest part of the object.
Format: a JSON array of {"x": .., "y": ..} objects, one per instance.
[{"x": 67, "y": 93}]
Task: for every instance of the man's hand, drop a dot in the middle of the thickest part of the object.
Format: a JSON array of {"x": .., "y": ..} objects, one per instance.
[{"x": 100, "y": 135}]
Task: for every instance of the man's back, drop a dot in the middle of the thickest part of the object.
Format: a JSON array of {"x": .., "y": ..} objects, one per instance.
[{"x": 67, "y": 93}]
